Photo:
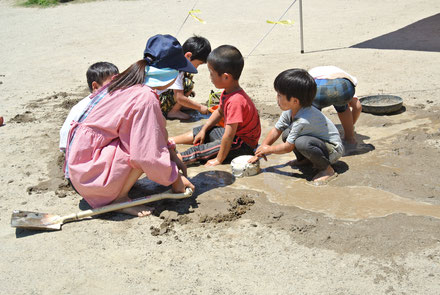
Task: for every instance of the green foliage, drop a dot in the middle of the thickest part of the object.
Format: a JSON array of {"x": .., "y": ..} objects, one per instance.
[{"x": 40, "y": 2}]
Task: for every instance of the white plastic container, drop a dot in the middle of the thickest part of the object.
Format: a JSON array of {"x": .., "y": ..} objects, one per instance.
[{"x": 241, "y": 167}]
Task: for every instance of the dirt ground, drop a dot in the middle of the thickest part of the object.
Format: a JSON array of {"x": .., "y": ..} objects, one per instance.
[{"x": 375, "y": 229}]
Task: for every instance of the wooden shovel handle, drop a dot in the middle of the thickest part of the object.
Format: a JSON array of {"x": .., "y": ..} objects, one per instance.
[{"x": 118, "y": 206}]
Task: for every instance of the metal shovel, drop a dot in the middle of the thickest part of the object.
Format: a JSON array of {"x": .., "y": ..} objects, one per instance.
[{"x": 45, "y": 221}]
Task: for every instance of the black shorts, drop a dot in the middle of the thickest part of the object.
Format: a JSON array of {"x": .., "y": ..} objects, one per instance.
[{"x": 211, "y": 147}]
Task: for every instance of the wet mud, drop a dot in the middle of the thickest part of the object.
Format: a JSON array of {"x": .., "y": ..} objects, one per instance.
[
  {"x": 54, "y": 108},
  {"x": 367, "y": 208},
  {"x": 219, "y": 213}
]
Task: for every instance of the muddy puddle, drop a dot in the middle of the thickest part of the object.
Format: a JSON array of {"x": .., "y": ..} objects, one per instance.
[
  {"x": 289, "y": 186},
  {"x": 393, "y": 128}
]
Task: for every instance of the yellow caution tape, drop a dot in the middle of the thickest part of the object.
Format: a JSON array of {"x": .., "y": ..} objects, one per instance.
[
  {"x": 281, "y": 22},
  {"x": 191, "y": 12}
]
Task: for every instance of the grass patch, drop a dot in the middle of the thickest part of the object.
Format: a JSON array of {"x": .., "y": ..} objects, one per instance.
[
  {"x": 43, "y": 3},
  {"x": 47, "y": 3}
]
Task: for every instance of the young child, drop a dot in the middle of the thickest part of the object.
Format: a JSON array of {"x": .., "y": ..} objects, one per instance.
[
  {"x": 336, "y": 87},
  {"x": 172, "y": 100},
  {"x": 306, "y": 131},
  {"x": 98, "y": 74},
  {"x": 122, "y": 133},
  {"x": 242, "y": 122}
]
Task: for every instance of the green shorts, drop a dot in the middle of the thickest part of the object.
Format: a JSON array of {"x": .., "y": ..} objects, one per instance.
[{"x": 167, "y": 101}]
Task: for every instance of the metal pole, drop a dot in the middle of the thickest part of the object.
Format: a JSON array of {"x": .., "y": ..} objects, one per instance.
[{"x": 301, "y": 25}]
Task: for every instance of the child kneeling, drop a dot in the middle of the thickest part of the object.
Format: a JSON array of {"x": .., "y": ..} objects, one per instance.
[{"x": 306, "y": 131}]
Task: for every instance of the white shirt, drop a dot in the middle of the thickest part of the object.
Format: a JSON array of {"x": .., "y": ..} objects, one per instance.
[
  {"x": 177, "y": 85},
  {"x": 331, "y": 72},
  {"x": 74, "y": 115}
]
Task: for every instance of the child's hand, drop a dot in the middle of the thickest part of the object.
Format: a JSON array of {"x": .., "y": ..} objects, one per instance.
[
  {"x": 204, "y": 110},
  {"x": 255, "y": 159},
  {"x": 180, "y": 165},
  {"x": 190, "y": 94},
  {"x": 262, "y": 151},
  {"x": 213, "y": 162},
  {"x": 181, "y": 183},
  {"x": 199, "y": 138}
]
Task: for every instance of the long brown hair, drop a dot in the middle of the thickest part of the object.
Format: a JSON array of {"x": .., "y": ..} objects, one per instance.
[{"x": 133, "y": 75}]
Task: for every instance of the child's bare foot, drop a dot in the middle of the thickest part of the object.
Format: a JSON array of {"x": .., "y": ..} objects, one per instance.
[
  {"x": 178, "y": 115},
  {"x": 139, "y": 211},
  {"x": 350, "y": 140},
  {"x": 296, "y": 163},
  {"x": 324, "y": 176}
]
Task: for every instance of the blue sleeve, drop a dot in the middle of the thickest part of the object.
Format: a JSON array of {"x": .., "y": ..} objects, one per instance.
[
  {"x": 296, "y": 130},
  {"x": 284, "y": 121}
]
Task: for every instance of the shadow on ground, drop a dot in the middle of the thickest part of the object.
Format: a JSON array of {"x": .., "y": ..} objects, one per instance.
[
  {"x": 423, "y": 35},
  {"x": 306, "y": 172},
  {"x": 204, "y": 182}
]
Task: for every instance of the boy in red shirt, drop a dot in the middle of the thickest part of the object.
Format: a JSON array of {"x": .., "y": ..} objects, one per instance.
[{"x": 242, "y": 122}]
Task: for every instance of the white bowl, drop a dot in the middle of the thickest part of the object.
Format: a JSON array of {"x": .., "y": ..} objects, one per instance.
[{"x": 241, "y": 167}]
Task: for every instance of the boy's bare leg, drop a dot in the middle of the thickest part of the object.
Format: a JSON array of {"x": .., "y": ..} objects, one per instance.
[
  {"x": 346, "y": 119},
  {"x": 356, "y": 108},
  {"x": 324, "y": 175},
  {"x": 176, "y": 113},
  {"x": 140, "y": 210},
  {"x": 185, "y": 138}
]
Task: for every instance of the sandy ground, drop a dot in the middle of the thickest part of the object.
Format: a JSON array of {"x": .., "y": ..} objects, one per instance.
[{"x": 375, "y": 229}]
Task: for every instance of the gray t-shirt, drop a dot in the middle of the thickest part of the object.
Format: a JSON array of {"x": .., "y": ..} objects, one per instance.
[{"x": 309, "y": 121}]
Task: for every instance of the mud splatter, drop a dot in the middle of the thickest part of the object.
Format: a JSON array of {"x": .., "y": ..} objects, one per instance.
[
  {"x": 26, "y": 117},
  {"x": 164, "y": 228},
  {"x": 69, "y": 103},
  {"x": 169, "y": 219},
  {"x": 238, "y": 207},
  {"x": 302, "y": 229},
  {"x": 57, "y": 95},
  {"x": 56, "y": 182}
]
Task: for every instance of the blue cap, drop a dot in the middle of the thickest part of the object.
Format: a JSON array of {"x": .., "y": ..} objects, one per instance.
[{"x": 164, "y": 51}]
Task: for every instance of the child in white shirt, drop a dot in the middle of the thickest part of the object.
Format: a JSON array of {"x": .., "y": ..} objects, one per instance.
[
  {"x": 98, "y": 75},
  {"x": 337, "y": 87}
]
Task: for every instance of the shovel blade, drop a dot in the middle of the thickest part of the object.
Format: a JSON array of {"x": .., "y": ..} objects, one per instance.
[{"x": 35, "y": 220}]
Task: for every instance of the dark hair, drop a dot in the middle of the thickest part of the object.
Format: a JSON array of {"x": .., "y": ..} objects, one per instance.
[
  {"x": 226, "y": 59},
  {"x": 134, "y": 74},
  {"x": 99, "y": 72},
  {"x": 296, "y": 83},
  {"x": 198, "y": 46}
]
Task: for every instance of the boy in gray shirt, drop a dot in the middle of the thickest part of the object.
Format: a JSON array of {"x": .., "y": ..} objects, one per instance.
[{"x": 306, "y": 131}]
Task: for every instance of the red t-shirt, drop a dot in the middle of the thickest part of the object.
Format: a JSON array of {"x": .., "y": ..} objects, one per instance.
[{"x": 239, "y": 108}]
